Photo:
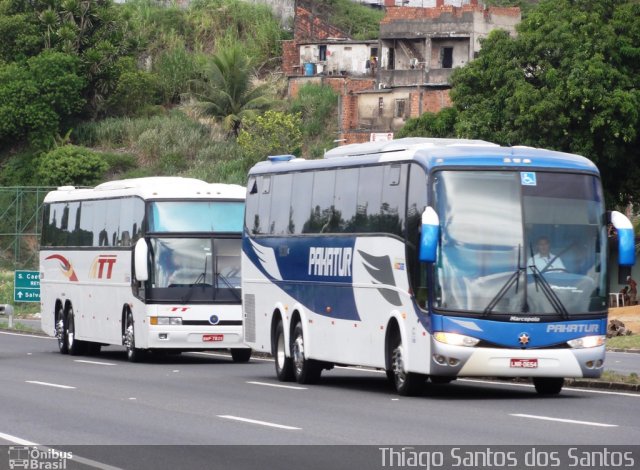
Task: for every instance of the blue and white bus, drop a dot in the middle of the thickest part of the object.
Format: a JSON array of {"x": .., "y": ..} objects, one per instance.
[{"x": 425, "y": 258}]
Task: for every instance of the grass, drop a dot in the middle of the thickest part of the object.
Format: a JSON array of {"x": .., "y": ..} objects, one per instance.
[
  {"x": 624, "y": 342},
  {"x": 613, "y": 376},
  {"x": 17, "y": 326}
]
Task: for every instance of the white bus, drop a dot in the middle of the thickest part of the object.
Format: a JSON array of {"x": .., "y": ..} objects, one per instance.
[
  {"x": 149, "y": 263},
  {"x": 430, "y": 259}
]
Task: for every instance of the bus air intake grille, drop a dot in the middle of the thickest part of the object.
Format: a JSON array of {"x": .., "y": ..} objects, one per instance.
[{"x": 250, "y": 318}]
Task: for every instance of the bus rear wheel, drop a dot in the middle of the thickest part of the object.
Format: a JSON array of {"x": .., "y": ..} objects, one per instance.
[
  {"x": 406, "y": 383},
  {"x": 63, "y": 346},
  {"x": 241, "y": 354},
  {"x": 133, "y": 354},
  {"x": 548, "y": 385},
  {"x": 305, "y": 371},
  {"x": 284, "y": 364}
]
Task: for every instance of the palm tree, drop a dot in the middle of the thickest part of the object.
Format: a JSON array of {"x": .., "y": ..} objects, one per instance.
[{"x": 226, "y": 92}]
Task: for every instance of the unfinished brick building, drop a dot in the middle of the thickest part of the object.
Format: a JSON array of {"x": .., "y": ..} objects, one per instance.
[{"x": 415, "y": 55}]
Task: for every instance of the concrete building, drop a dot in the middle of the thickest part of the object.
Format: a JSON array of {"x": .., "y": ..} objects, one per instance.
[{"x": 404, "y": 74}]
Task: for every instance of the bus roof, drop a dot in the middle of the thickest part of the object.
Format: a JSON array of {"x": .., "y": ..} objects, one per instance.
[
  {"x": 152, "y": 188},
  {"x": 434, "y": 153}
]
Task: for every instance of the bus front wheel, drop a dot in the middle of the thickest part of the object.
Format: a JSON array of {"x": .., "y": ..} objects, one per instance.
[
  {"x": 548, "y": 385},
  {"x": 305, "y": 371},
  {"x": 133, "y": 354},
  {"x": 241, "y": 355},
  {"x": 284, "y": 364},
  {"x": 406, "y": 383}
]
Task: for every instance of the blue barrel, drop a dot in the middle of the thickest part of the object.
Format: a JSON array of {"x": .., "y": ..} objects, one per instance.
[{"x": 308, "y": 68}]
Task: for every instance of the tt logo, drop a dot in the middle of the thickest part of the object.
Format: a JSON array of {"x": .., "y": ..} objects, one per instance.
[{"x": 102, "y": 267}]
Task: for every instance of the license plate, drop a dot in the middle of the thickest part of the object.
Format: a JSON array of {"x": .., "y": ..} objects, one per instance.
[
  {"x": 524, "y": 363},
  {"x": 209, "y": 338}
]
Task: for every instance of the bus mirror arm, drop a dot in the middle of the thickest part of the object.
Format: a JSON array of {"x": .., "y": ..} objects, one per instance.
[
  {"x": 429, "y": 236},
  {"x": 626, "y": 239},
  {"x": 140, "y": 256}
]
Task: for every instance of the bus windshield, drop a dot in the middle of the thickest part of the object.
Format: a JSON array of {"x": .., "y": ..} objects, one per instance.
[
  {"x": 195, "y": 269},
  {"x": 520, "y": 243},
  {"x": 196, "y": 216}
]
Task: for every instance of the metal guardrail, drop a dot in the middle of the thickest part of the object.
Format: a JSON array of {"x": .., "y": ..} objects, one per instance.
[{"x": 7, "y": 309}]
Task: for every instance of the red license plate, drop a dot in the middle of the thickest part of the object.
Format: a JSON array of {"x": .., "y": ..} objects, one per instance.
[
  {"x": 209, "y": 338},
  {"x": 524, "y": 363}
]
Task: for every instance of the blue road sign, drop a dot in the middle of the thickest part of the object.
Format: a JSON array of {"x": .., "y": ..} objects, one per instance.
[{"x": 26, "y": 286}]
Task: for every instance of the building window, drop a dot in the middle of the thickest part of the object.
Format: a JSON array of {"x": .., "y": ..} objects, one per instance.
[
  {"x": 447, "y": 57},
  {"x": 322, "y": 53},
  {"x": 400, "y": 108},
  {"x": 380, "y": 106}
]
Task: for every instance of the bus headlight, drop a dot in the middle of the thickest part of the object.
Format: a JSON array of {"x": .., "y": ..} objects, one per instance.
[
  {"x": 165, "y": 321},
  {"x": 455, "y": 339},
  {"x": 587, "y": 342}
]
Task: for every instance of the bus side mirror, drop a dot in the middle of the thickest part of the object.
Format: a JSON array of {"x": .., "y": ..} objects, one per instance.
[
  {"x": 626, "y": 239},
  {"x": 429, "y": 236},
  {"x": 140, "y": 256}
]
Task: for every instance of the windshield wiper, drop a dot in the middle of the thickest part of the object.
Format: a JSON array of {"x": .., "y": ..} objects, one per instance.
[
  {"x": 547, "y": 290},
  {"x": 200, "y": 281},
  {"x": 229, "y": 285},
  {"x": 513, "y": 279}
]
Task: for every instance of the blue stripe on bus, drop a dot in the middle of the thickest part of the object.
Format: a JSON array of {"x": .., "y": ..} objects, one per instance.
[
  {"x": 507, "y": 334},
  {"x": 321, "y": 280}
]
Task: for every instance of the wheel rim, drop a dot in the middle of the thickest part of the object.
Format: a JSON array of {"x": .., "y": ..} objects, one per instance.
[
  {"x": 280, "y": 356},
  {"x": 70, "y": 330},
  {"x": 129, "y": 338},
  {"x": 398, "y": 367},
  {"x": 298, "y": 354},
  {"x": 60, "y": 330}
]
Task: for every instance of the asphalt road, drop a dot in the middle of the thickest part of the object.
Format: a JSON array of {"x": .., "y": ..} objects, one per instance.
[{"x": 204, "y": 399}]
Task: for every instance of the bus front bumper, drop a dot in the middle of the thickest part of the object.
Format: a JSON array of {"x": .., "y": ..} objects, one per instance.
[
  {"x": 176, "y": 337},
  {"x": 448, "y": 360}
]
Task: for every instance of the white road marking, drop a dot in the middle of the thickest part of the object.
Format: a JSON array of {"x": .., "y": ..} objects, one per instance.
[
  {"x": 27, "y": 335},
  {"x": 573, "y": 389},
  {"x": 16, "y": 440},
  {"x": 74, "y": 458},
  {"x": 570, "y": 421},
  {"x": 266, "y": 384},
  {"x": 261, "y": 423},
  {"x": 47, "y": 384},
  {"x": 98, "y": 363}
]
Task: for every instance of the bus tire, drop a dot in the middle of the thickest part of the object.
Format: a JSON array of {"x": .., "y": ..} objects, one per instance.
[
  {"x": 284, "y": 364},
  {"x": 133, "y": 354},
  {"x": 241, "y": 355},
  {"x": 305, "y": 371},
  {"x": 406, "y": 383},
  {"x": 75, "y": 346},
  {"x": 61, "y": 332},
  {"x": 548, "y": 385}
]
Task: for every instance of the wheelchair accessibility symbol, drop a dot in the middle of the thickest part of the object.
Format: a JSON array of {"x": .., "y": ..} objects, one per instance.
[{"x": 528, "y": 178}]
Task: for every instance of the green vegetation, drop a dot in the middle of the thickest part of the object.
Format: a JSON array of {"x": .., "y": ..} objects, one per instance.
[
  {"x": 613, "y": 376},
  {"x": 226, "y": 93},
  {"x": 358, "y": 21},
  {"x": 624, "y": 342},
  {"x": 71, "y": 165},
  {"x": 19, "y": 326}
]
